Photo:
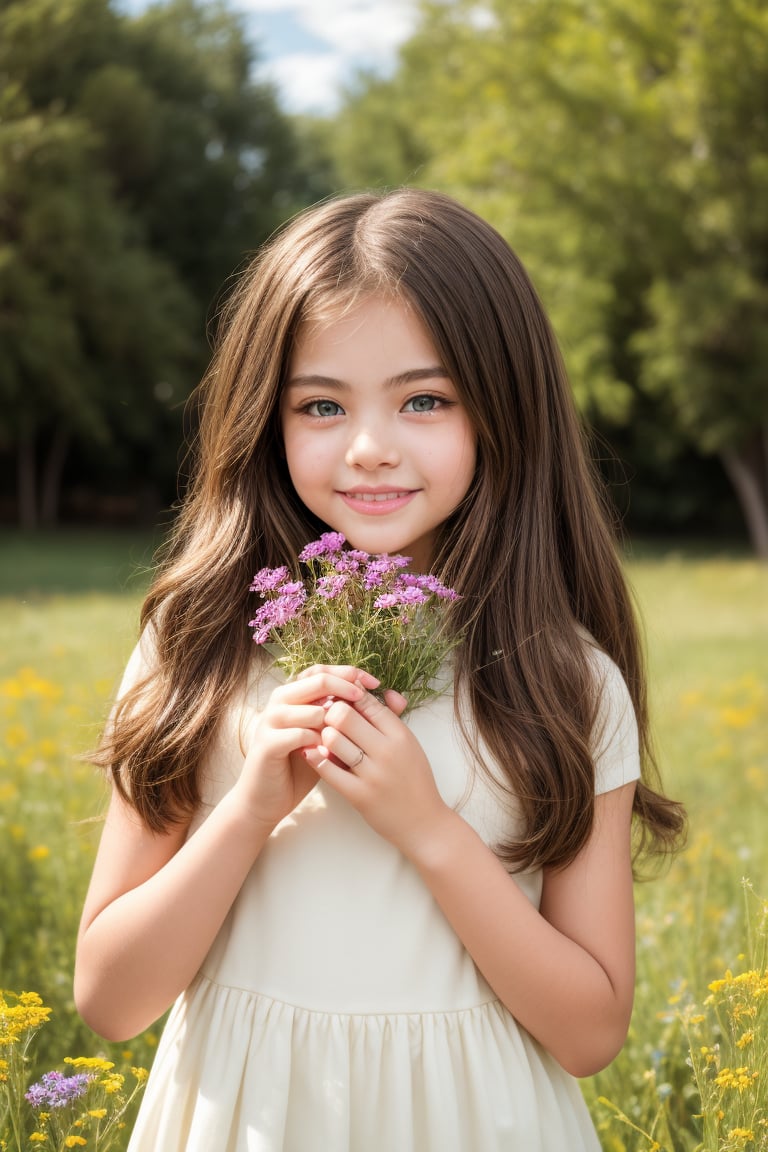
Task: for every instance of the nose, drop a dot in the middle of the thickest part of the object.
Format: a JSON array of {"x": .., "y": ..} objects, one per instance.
[{"x": 370, "y": 448}]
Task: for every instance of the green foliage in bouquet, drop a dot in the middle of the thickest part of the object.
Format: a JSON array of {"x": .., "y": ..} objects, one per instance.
[{"x": 361, "y": 610}]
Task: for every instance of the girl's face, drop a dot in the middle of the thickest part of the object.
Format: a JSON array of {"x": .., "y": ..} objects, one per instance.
[{"x": 377, "y": 442}]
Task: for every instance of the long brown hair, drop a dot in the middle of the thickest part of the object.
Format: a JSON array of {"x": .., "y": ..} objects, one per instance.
[{"x": 531, "y": 548}]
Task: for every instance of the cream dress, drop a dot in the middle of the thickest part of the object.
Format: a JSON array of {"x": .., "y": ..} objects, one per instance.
[{"x": 337, "y": 1011}]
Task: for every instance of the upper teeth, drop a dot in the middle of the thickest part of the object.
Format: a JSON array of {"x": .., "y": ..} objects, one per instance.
[{"x": 368, "y": 496}]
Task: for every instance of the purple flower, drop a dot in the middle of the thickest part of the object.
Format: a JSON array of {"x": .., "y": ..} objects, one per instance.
[
  {"x": 55, "y": 1090},
  {"x": 346, "y": 562},
  {"x": 385, "y": 565},
  {"x": 328, "y": 545},
  {"x": 329, "y": 587},
  {"x": 387, "y": 600},
  {"x": 412, "y": 596},
  {"x": 268, "y": 579},
  {"x": 284, "y": 608},
  {"x": 277, "y": 612},
  {"x": 295, "y": 587},
  {"x": 429, "y": 583}
]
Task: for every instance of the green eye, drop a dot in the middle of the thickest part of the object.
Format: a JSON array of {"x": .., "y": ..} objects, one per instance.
[
  {"x": 423, "y": 403},
  {"x": 324, "y": 408}
]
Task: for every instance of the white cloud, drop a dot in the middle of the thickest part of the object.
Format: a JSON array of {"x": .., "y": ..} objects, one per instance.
[
  {"x": 306, "y": 81},
  {"x": 359, "y": 33}
]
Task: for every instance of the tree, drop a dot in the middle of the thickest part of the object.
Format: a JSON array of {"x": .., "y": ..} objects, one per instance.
[
  {"x": 139, "y": 164},
  {"x": 623, "y": 151},
  {"x": 89, "y": 321}
]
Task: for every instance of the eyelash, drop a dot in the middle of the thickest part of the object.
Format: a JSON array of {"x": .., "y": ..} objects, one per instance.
[{"x": 440, "y": 402}]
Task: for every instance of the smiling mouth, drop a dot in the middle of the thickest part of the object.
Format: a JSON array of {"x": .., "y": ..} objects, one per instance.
[{"x": 376, "y": 497}]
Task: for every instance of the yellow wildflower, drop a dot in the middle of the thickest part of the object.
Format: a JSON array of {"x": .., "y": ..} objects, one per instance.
[
  {"x": 98, "y": 1113},
  {"x": 27, "y": 684},
  {"x": 27, "y": 1014},
  {"x": 741, "y": 1134},
  {"x": 37, "y": 1137},
  {"x": 112, "y": 1083},
  {"x": 74, "y": 1142},
  {"x": 718, "y": 985},
  {"x": 745, "y": 1039},
  {"x": 738, "y": 717},
  {"x": 140, "y": 1074},
  {"x": 738, "y": 1078},
  {"x": 95, "y": 1062},
  {"x": 39, "y": 852}
]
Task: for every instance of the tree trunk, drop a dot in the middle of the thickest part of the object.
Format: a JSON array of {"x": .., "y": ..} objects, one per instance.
[
  {"x": 52, "y": 472},
  {"x": 747, "y": 472},
  {"x": 26, "y": 480}
]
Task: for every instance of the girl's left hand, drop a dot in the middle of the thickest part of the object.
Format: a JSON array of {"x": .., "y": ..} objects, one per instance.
[{"x": 391, "y": 785}]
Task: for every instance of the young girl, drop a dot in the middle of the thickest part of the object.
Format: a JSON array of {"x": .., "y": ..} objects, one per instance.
[{"x": 403, "y": 935}]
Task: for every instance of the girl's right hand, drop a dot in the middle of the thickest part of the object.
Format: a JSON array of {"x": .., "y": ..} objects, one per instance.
[{"x": 275, "y": 776}]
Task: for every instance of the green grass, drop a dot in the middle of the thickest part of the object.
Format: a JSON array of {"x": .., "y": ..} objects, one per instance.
[
  {"x": 68, "y": 615},
  {"x": 89, "y": 560}
]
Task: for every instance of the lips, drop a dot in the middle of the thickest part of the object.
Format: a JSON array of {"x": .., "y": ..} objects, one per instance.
[{"x": 372, "y": 501}]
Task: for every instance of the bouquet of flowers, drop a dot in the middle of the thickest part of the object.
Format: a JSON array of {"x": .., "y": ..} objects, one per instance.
[{"x": 357, "y": 609}]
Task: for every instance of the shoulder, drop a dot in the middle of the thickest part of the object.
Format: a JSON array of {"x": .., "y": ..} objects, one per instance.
[{"x": 615, "y": 739}]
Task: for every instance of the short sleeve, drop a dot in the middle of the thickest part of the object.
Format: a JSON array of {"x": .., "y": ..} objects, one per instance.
[
  {"x": 139, "y": 664},
  {"x": 615, "y": 737}
]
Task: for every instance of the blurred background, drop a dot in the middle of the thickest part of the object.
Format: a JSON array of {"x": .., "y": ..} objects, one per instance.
[{"x": 146, "y": 150}]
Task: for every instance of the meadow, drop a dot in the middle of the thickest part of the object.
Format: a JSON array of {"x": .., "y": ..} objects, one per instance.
[{"x": 694, "y": 1071}]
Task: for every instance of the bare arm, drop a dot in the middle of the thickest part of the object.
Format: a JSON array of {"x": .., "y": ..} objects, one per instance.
[
  {"x": 566, "y": 971},
  {"x": 156, "y": 902}
]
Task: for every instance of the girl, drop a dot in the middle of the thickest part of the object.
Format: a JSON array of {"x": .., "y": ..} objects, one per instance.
[{"x": 380, "y": 934}]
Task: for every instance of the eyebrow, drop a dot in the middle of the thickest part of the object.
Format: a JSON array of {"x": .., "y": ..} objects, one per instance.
[{"x": 411, "y": 376}]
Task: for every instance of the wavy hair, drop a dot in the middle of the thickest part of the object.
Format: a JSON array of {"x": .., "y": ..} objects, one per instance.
[{"x": 531, "y": 548}]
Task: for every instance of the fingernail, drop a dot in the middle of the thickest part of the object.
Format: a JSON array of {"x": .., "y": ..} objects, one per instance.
[{"x": 321, "y": 748}]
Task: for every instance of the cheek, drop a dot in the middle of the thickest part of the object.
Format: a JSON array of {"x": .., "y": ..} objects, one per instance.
[{"x": 308, "y": 457}]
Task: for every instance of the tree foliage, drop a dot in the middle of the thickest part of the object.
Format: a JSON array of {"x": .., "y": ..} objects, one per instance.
[
  {"x": 139, "y": 164},
  {"x": 623, "y": 150}
]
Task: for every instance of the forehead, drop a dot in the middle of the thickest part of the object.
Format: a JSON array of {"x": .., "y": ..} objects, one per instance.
[{"x": 377, "y": 324}]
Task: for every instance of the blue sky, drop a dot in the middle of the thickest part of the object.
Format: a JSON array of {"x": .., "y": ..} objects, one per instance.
[{"x": 310, "y": 48}]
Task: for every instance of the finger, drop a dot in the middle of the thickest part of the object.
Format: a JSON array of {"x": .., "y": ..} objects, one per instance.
[
  {"x": 284, "y": 741},
  {"x": 395, "y": 701},
  {"x": 342, "y": 717},
  {"x": 340, "y": 779},
  {"x": 341, "y": 748},
  {"x": 376, "y": 713},
  {"x": 346, "y": 671},
  {"x": 317, "y": 687},
  {"x": 284, "y": 715}
]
